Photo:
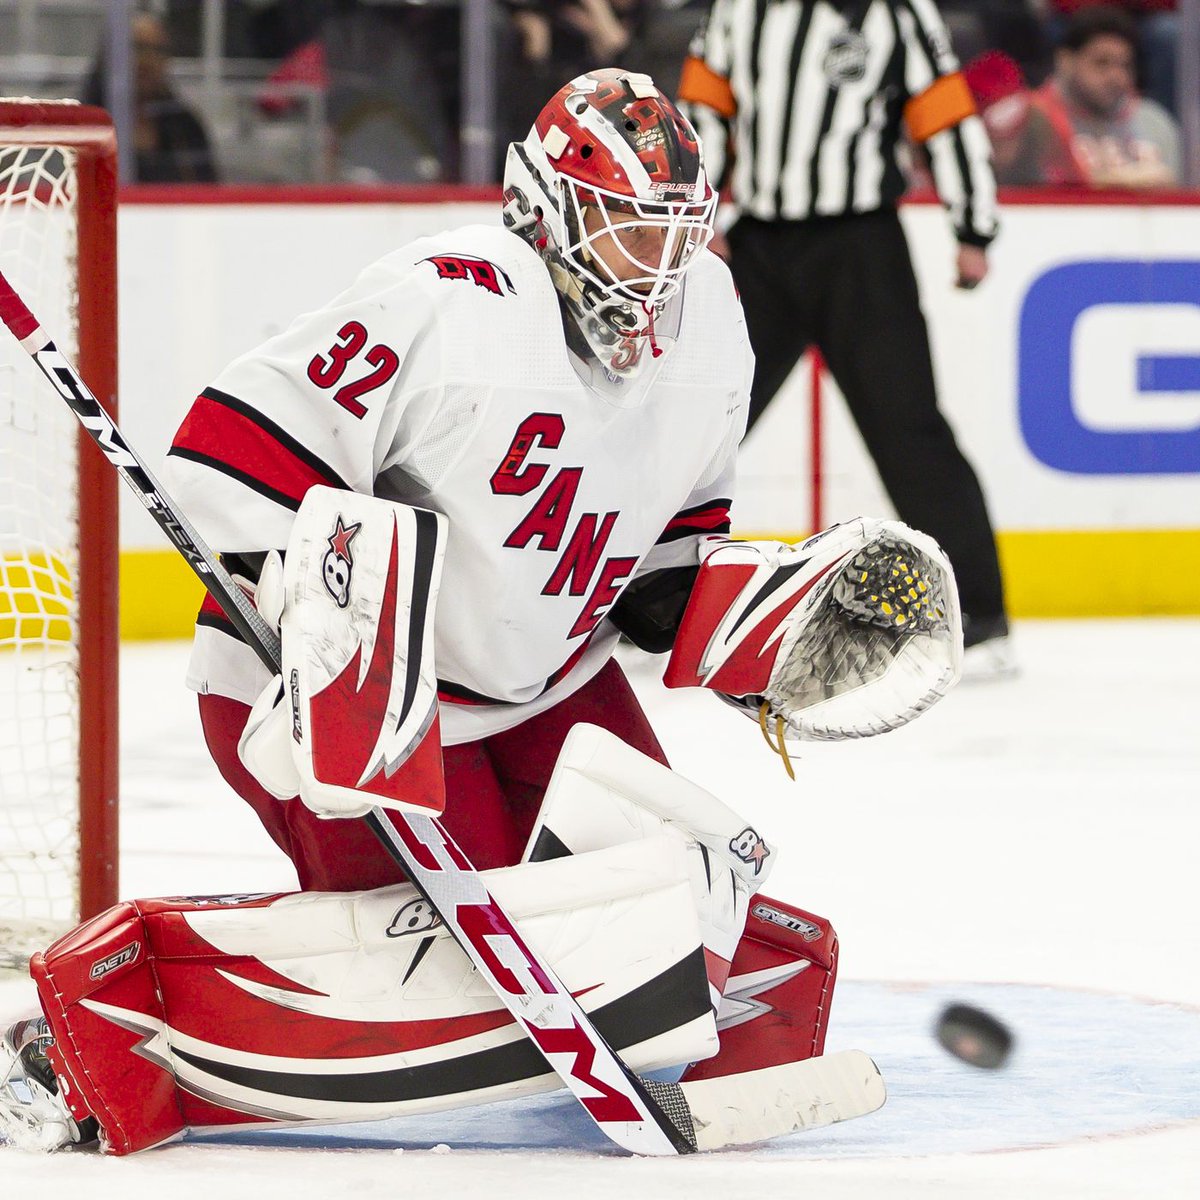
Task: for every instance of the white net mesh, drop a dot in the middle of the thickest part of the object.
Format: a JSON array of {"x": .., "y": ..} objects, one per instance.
[{"x": 39, "y": 738}]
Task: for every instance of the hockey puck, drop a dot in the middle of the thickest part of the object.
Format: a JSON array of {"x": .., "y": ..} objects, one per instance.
[{"x": 974, "y": 1036}]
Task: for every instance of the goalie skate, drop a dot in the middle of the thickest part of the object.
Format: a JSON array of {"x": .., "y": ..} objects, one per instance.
[{"x": 32, "y": 1113}]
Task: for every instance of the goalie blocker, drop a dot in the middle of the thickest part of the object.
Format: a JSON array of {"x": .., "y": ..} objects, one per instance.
[
  {"x": 207, "y": 1012},
  {"x": 351, "y": 721}
]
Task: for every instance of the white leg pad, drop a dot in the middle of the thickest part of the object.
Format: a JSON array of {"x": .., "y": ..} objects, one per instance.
[{"x": 604, "y": 793}]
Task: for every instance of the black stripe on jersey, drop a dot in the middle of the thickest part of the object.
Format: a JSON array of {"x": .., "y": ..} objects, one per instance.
[
  {"x": 760, "y": 11},
  {"x": 922, "y": 37},
  {"x": 789, "y": 110},
  {"x": 456, "y": 693},
  {"x": 891, "y": 82},
  {"x": 243, "y": 477},
  {"x": 220, "y": 622},
  {"x": 854, "y": 24},
  {"x": 966, "y": 219},
  {"x": 677, "y": 535}
]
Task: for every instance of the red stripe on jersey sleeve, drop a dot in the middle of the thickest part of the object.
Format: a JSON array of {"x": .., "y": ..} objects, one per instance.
[{"x": 223, "y": 433}]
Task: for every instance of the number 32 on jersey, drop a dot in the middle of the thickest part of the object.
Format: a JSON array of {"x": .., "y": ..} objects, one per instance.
[{"x": 326, "y": 370}]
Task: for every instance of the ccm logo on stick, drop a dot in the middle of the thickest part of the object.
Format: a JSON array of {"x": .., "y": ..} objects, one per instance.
[{"x": 1109, "y": 367}]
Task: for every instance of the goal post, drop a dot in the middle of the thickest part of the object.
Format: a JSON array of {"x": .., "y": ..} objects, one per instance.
[{"x": 58, "y": 531}]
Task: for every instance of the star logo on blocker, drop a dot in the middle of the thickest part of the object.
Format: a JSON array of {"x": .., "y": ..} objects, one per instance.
[{"x": 343, "y": 535}]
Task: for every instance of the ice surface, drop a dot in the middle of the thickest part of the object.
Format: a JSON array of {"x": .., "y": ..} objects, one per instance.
[{"x": 1028, "y": 846}]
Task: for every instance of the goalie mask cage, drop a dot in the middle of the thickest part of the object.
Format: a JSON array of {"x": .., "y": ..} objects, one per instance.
[{"x": 58, "y": 530}]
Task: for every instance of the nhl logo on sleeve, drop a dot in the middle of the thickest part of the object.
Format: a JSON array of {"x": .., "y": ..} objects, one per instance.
[{"x": 846, "y": 59}]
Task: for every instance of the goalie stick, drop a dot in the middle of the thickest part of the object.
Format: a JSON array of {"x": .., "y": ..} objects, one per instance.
[{"x": 640, "y": 1115}]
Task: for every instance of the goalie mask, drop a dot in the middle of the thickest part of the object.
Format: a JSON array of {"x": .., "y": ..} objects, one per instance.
[{"x": 610, "y": 189}]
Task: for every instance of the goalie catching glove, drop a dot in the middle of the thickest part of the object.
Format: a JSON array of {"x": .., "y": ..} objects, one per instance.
[
  {"x": 352, "y": 720},
  {"x": 851, "y": 633}
]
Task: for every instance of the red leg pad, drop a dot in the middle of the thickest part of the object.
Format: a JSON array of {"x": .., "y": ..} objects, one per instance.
[
  {"x": 777, "y": 998},
  {"x": 107, "y": 960},
  {"x": 106, "y": 1068}
]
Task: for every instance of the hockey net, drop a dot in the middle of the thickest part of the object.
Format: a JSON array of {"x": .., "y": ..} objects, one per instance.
[{"x": 58, "y": 531}]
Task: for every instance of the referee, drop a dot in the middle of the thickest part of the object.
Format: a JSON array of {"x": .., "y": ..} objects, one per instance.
[{"x": 803, "y": 107}]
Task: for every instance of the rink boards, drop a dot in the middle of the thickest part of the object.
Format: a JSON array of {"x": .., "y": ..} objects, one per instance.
[{"x": 1071, "y": 377}]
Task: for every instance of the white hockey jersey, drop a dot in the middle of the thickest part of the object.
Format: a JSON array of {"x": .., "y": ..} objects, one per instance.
[{"x": 442, "y": 378}]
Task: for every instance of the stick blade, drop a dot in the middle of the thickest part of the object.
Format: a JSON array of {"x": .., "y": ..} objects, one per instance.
[{"x": 752, "y": 1106}]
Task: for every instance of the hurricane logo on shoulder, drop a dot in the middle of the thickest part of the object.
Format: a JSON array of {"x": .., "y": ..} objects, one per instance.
[
  {"x": 479, "y": 271},
  {"x": 750, "y": 848},
  {"x": 846, "y": 59},
  {"x": 338, "y": 562}
]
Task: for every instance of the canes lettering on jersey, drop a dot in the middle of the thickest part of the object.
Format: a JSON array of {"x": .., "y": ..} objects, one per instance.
[
  {"x": 548, "y": 519},
  {"x": 512, "y": 477}
]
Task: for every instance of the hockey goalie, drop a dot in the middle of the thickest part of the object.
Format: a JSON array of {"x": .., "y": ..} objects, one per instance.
[{"x": 452, "y": 489}]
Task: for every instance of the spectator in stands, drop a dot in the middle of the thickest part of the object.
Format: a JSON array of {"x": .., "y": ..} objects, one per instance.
[
  {"x": 576, "y": 32},
  {"x": 1158, "y": 30},
  {"x": 170, "y": 144},
  {"x": 393, "y": 99},
  {"x": 1032, "y": 145},
  {"x": 1123, "y": 139},
  {"x": 561, "y": 39}
]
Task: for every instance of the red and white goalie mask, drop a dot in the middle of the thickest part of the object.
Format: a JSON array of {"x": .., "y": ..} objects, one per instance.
[{"x": 610, "y": 188}]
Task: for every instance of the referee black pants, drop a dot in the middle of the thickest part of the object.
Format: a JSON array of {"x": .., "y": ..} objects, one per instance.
[{"x": 846, "y": 285}]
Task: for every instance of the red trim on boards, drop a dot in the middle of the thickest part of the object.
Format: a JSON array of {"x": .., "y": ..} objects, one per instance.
[
  {"x": 305, "y": 193},
  {"x": 443, "y": 193},
  {"x": 1069, "y": 197}
]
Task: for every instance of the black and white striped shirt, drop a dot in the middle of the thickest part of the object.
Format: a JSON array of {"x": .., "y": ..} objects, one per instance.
[{"x": 804, "y": 104}]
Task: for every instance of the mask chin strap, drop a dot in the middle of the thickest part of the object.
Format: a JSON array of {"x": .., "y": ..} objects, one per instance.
[{"x": 655, "y": 348}]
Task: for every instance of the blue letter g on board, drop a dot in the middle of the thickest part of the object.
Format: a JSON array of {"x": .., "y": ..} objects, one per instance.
[{"x": 1052, "y": 411}]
